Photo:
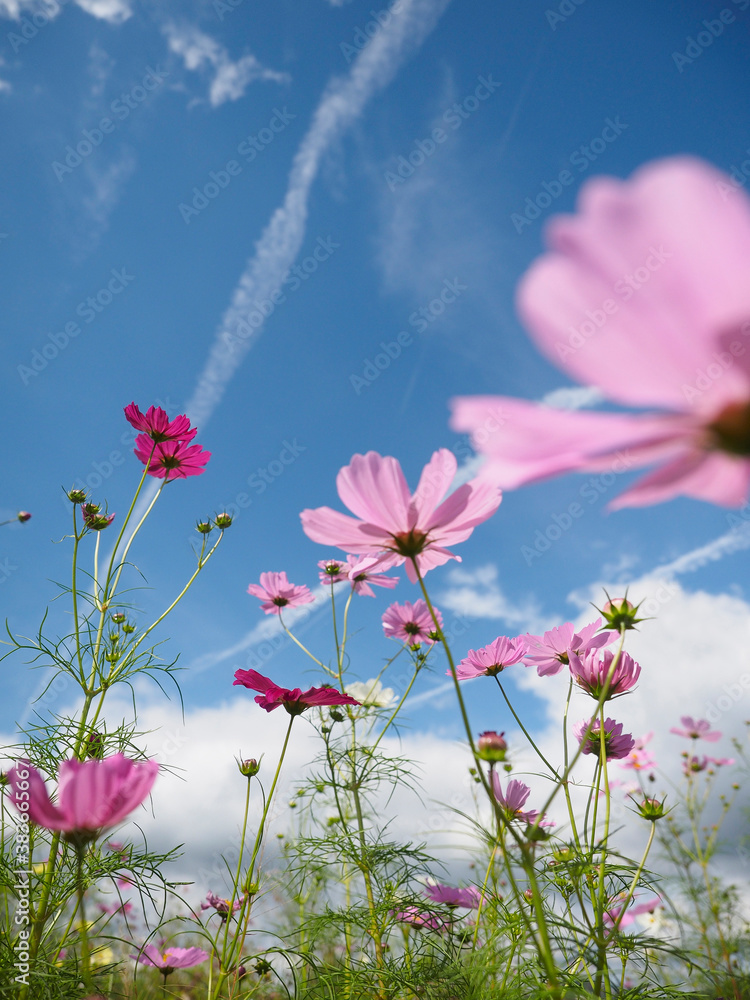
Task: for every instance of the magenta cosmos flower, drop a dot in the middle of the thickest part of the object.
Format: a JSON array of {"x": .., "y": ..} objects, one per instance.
[
  {"x": 214, "y": 902},
  {"x": 394, "y": 526},
  {"x": 411, "y": 623},
  {"x": 611, "y": 915},
  {"x": 156, "y": 423},
  {"x": 513, "y": 799},
  {"x": 492, "y": 659},
  {"x": 590, "y": 671},
  {"x": 617, "y": 743},
  {"x": 276, "y": 592},
  {"x": 696, "y": 729},
  {"x": 469, "y": 898},
  {"x": 361, "y": 577},
  {"x": 645, "y": 294},
  {"x": 295, "y": 701},
  {"x": 171, "y": 459},
  {"x": 550, "y": 652},
  {"x": 171, "y": 958},
  {"x": 91, "y": 795}
]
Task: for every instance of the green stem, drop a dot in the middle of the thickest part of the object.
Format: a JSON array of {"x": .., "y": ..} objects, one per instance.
[{"x": 523, "y": 728}]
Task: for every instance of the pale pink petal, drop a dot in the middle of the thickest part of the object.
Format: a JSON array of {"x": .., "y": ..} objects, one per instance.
[
  {"x": 40, "y": 808},
  {"x": 329, "y": 527},
  {"x": 374, "y": 488},
  {"x": 434, "y": 483},
  {"x": 713, "y": 476},
  {"x": 469, "y": 505},
  {"x": 668, "y": 220}
]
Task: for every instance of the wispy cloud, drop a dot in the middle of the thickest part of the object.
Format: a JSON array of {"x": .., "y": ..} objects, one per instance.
[
  {"x": 201, "y": 52},
  {"x": 477, "y": 594}
]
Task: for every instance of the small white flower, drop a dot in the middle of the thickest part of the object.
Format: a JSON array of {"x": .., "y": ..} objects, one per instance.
[{"x": 372, "y": 693}]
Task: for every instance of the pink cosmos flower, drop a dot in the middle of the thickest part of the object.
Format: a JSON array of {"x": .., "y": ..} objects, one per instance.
[
  {"x": 648, "y": 906},
  {"x": 91, "y": 795},
  {"x": 591, "y": 670},
  {"x": 276, "y": 592},
  {"x": 171, "y": 958},
  {"x": 125, "y": 908},
  {"x": 295, "y": 701},
  {"x": 550, "y": 652},
  {"x": 171, "y": 459},
  {"x": 214, "y": 902},
  {"x": 696, "y": 729},
  {"x": 394, "y": 526},
  {"x": 156, "y": 423},
  {"x": 617, "y": 743},
  {"x": 513, "y": 799},
  {"x": 332, "y": 571},
  {"x": 492, "y": 659},
  {"x": 411, "y": 623},
  {"x": 419, "y": 918},
  {"x": 645, "y": 295},
  {"x": 639, "y": 759},
  {"x": 446, "y": 894},
  {"x": 361, "y": 577}
]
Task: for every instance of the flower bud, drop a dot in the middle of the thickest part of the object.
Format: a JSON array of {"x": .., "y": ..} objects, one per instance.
[
  {"x": 249, "y": 767},
  {"x": 223, "y": 520},
  {"x": 204, "y": 527},
  {"x": 95, "y": 745},
  {"x": 23, "y": 515},
  {"x": 77, "y": 496},
  {"x": 491, "y": 746},
  {"x": 651, "y": 809},
  {"x": 93, "y": 519},
  {"x": 262, "y": 967},
  {"x": 620, "y": 613},
  {"x": 337, "y": 716},
  {"x": 128, "y": 629},
  {"x": 118, "y": 617}
]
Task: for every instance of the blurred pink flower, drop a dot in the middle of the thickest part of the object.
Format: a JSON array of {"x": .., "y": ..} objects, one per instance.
[
  {"x": 170, "y": 959},
  {"x": 91, "y": 795},
  {"x": 295, "y": 701},
  {"x": 492, "y": 659},
  {"x": 513, "y": 799},
  {"x": 156, "y": 423},
  {"x": 392, "y": 525},
  {"x": 361, "y": 577},
  {"x": 446, "y": 894},
  {"x": 276, "y": 592},
  {"x": 590, "y": 671},
  {"x": 696, "y": 729},
  {"x": 419, "y": 918},
  {"x": 617, "y": 743},
  {"x": 214, "y": 902},
  {"x": 550, "y": 652},
  {"x": 332, "y": 571},
  {"x": 171, "y": 459},
  {"x": 411, "y": 623},
  {"x": 648, "y": 906},
  {"x": 645, "y": 295}
]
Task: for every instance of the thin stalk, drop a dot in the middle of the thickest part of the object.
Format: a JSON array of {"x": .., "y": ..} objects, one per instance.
[{"x": 523, "y": 728}]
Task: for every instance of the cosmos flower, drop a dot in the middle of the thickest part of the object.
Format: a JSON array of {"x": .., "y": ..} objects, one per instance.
[
  {"x": 469, "y": 898},
  {"x": 92, "y": 795},
  {"x": 492, "y": 659},
  {"x": 171, "y": 958},
  {"x": 590, "y": 671},
  {"x": 644, "y": 295},
  {"x": 550, "y": 652},
  {"x": 393, "y": 526},
  {"x": 332, "y": 571},
  {"x": 214, "y": 902},
  {"x": 372, "y": 693},
  {"x": 617, "y": 743},
  {"x": 295, "y": 701},
  {"x": 639, "y": 759},
  {"x": 696, "y": 729},
  {"x": 411, "y": 623},
  {"x": 647, "y": 906},
  {"x": 171, "y": 459},
  {"x": 361, "y": 577},
  {"x": 419, "y": 918},
  {"x": 156, "y": 423},
  {"x": 276, "y": 592}
]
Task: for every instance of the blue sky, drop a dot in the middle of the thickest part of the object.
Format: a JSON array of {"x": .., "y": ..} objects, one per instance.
[{"x": 122, "y": 269}]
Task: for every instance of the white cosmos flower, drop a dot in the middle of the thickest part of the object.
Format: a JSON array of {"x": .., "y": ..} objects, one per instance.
[{"x": 372, "y": 692}]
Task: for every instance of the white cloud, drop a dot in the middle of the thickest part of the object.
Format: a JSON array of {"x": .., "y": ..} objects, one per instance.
[
  {"x": 573, "y": 397},
  {"x": 231, "y": 79},
  {"x": 107, "y": 183},
  {"x": 477, "y": 594},
  {"x": 113, "y": 11}
]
